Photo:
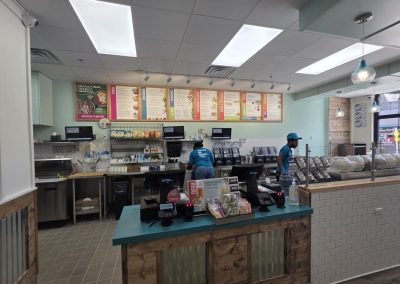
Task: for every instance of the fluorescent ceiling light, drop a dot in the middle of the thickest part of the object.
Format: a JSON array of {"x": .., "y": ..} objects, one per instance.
[
  {"x": 246, "y": 42},
  {"x": 341, "y": 57},
  {"x": 109, "y": 26}
]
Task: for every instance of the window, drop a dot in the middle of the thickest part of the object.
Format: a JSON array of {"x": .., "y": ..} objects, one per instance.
[{"x": 386, "y": 121}]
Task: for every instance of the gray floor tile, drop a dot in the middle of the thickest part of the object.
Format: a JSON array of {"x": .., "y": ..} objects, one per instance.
[{"x": 90, "y": 277}]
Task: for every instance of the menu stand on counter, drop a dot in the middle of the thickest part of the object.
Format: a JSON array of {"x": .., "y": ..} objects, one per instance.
[{"x": 102, "y": 186}]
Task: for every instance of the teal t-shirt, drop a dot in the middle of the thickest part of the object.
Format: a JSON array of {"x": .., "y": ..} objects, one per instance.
[
  {"x": 201, "y": 157},
  {"x": 286, "y": 153}
]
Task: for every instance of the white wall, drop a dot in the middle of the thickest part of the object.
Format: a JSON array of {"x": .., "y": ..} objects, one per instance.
[
  {"x": 362, "y": 134},
  {"x": 16, "y": 149},
  {"x": 348, "y": 239}
]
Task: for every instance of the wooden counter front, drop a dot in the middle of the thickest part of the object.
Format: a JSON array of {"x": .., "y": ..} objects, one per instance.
[
  {"x": 350, "y": 184},
  {"x": 274, "y": 247}
]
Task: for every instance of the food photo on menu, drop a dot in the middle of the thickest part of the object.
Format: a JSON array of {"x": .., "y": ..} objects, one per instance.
[{"x": 91, "y": 101}]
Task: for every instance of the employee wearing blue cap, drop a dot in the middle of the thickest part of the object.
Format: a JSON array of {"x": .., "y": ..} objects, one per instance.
[
  {"x": 202, "y": 160},
  {"x": 285, "y": 154}
]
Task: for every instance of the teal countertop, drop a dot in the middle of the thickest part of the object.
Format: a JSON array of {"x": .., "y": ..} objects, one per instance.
[{"x": 130, "y": 229}]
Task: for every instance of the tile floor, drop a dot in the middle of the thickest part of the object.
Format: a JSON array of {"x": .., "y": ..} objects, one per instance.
[
  {"x": 80, "y": 253},
  {"x": 389, "y": 276}
]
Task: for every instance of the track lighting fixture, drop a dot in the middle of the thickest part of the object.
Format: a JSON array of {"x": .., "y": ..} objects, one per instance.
[
  {"x": 253, "y": 84},
  {"x": 188, "y": 80},
  {"x": 147, "y": 77},
  {"x": 169, "y": 79},
  {"x": 289, "y": 87},
  {"x": 211, "y": 82},
  {"x": 232, "y": 83}
]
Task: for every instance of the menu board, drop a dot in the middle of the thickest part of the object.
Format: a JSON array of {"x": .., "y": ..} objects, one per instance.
[
  {"x": 91, "y": 101},
  {"x": 154, "y": 103},
  {"x": 229, "y": 105},
  {"x": 251, "y": 106},
  {"x": 181, "y": 104},
  {"x": 272, "y": 107},
  {"x": 124, "y": 102},
  {"x": 206, "y": 105}
]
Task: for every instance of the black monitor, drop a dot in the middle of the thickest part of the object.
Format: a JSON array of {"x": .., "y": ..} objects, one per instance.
[
  {"x": 165, "y": 181},
  {"x": 78, "y": 133},
  {"x": 221, "y": 133},
  {"x": 249, "y": 174},
  {"x": 174, "y": 132}
]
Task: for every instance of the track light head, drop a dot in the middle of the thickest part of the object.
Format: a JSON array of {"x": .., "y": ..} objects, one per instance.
[
  {"x": 289, "y": 87},
  {"x": 188, "y": 81},
  {"x": 232, "y": 84},
  {"x": 211, "y": 82},
  {"x": 169, "y": 79},
  {"x": 253, "y": 84}
]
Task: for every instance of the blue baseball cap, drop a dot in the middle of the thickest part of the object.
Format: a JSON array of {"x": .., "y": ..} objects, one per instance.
[{"x": 293, "y": 136}]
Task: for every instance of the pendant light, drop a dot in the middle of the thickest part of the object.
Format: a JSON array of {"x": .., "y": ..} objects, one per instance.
[
  {"x": 374, "y": 107},
  {"x": 339, "y": 112},
  {"x": 363, "y": 72}
]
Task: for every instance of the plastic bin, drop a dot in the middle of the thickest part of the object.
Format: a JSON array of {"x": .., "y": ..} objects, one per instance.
[{"x": 120, "y": 191}]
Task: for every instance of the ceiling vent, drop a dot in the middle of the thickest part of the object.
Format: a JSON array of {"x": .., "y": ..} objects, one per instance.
[
  {"x": 43, "y": 56},
  {"x": 219, "y": 71}
]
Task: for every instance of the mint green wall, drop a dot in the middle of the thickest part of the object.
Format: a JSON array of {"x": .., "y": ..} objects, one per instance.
[{"x": 307, "y": 117}]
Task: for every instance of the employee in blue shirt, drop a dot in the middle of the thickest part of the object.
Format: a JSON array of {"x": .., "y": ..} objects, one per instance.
[
  {"x": 285, "y": 154},
  {"x": 202, "y": 159}
]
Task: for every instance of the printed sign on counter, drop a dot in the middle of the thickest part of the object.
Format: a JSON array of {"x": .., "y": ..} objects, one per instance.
[
  {"x": 206, "y": 105},
  {"x": 229, "y": 105},
  {"x": 154, "y": 103},
  {"x": 272, "y": 107},
  {"x": 181, "y": 104},
  {"x": 196, "y": 195},
  {"x": 125, "y": 102},
  {"x": 251, "y": 106},
  {"x": 91, "y": 101}
]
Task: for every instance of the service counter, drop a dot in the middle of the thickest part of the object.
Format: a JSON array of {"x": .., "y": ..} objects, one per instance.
[
  {"x": 355, "y": 227},
  {"x": 272, "y": 247}
]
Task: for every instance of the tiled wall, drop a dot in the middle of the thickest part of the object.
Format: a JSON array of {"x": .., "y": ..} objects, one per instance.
[{"x": 349, "y": 238}]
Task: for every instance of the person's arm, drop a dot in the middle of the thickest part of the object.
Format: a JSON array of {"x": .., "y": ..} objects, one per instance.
[
  {"x": 279, "y": 160},
  {"x": 191, "y": 161}
]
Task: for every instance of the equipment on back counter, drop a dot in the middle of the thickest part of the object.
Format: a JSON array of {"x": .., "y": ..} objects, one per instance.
[
  {"x": 79, "y": 133},
  {"x": 258, "y": 155},
  {"x": 221, "y": 133},
  {"x": 227, "y": 155},
  {"x": 237, "y": 160},
  {"x": 174, "y": 132},
  {"x": 218, "y": 159},
  {"x": 174, "y": 150}
]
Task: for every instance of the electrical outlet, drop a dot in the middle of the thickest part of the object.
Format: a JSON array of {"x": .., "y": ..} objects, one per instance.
[{"x": 378, "y": 211}]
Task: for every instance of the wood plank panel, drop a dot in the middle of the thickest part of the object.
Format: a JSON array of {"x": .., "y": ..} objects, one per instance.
[
  {"x": 142, "y": 268},
  {"x": 230, "y": 260}
]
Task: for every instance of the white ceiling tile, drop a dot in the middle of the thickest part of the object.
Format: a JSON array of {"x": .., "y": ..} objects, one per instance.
[
  {"x": 124, "y": 76},
  {"x": 36, "y": 42},
  {"x": 388, "y": 37},
  {"x": 159, "y": 24},
  {"x": 52, "y": 13},
  {"x": 324, "y": 47},
  {"x": 293, "y": 64},
  {"x": 275, "y": 13},
  {"x": 54, "y": 71},
  {"x": 210, "y": 31},
  {"x": 72, "y": 58},
  {"x": 198, "y": 53},
  {"x": 189, "y": 68},
  {"x": 228, "y": 9},
  {"x": 185, "y": 6},
  {"x": 154, "y": 65},
  {"x": 290, "y": 42},
  {"x": 156, "y": 49},
  {"x": 65, "y": 39},
  {"x": 262, "y": 61},
  {"x": 92, "y": 74},
  {"x": 119, "y": 62}
]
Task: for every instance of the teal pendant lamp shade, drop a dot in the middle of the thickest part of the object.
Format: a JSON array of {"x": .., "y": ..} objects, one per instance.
[{"x": 363, "y": 73}]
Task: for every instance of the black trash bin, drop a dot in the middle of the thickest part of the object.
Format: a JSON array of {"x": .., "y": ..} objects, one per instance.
[{"x": 120, "y": 190}]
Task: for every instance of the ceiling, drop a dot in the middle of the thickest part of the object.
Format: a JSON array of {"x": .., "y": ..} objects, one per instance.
[{"x": 184, "y": 36}]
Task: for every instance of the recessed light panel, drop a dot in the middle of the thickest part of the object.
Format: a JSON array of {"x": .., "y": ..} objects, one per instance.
[
  {"x": 339, "y": 58},
  {"x": 246, "y": 42},
  {"x": 109, "y": 26}
]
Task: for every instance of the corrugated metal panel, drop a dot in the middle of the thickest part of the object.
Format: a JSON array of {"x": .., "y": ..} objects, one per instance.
[
  {"x": 267, "y": 255},
  {"x": 184, "y": 265},
  {"x": 13, "y": 236}
]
